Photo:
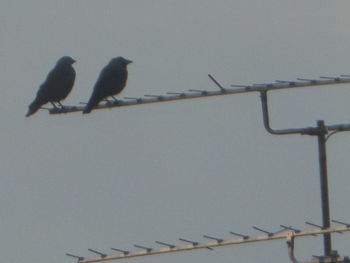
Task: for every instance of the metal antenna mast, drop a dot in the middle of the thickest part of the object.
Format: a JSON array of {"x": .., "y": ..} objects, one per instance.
[
  {"x": 320, "y": 131},
  {"x": 289, "y": 233}
]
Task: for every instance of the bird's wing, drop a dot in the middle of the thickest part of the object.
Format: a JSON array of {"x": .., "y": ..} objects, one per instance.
[
  {"x": 104, "y": 84},
  {"x": 58, "y": 84}
]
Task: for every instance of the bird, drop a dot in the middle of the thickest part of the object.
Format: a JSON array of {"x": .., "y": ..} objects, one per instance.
[
  {"x": 58, "y": 84},
  {"x": 112, "y": 81}
]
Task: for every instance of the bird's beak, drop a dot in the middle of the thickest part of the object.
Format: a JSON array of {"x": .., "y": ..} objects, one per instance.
[{"x": 128, "y": 61}]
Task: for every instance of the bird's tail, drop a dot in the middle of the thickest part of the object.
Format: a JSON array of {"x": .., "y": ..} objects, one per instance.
[
  {"x": 91, "y": 104},
  {"x": 34, "y": 107}
]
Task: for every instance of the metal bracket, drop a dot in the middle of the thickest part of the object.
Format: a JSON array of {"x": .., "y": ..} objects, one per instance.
[{"x": 290, "y": 244}]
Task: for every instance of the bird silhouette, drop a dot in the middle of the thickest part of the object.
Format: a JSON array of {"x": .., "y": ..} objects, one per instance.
[
  {"x": 58, "y": 84},
  {"x": 112, "y": 81}
]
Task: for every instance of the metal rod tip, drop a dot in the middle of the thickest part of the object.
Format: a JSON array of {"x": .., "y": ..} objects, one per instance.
[
  {"x": 165, "y": 244},
  {"x": 341, "y": 223},
  {"x": 217, "y": 83},
  {"x": 75, "y": 256},
  {"x": 194, "y": 243},
  {"x": 125, "y": 252},
  {"x": 264, "y": 231},
  {"x": 239, "y": 235},
  {"x": 219, "y": 240},
  {"x": 98, "y": 252},
  {"x": 312, "y": 224},
  {"x": 291, "y": 228},
  {"x": 148, "y": 249}
]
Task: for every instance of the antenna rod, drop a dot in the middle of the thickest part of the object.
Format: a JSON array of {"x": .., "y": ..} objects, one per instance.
[
  {"x": 324, "y": 186},
  {"x": 212, "y": 244},
  {"x": 194, "y": 93},
  {"x": 217, "y": 83}
]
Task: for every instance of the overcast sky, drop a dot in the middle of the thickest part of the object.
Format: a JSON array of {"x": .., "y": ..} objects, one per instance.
[{"x": 119, "y": 177}]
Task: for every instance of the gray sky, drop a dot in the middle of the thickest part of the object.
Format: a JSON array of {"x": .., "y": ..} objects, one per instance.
[{"x": 137, "y": 174}]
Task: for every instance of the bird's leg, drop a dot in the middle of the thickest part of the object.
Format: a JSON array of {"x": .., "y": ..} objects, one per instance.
[
  {"x": 54, "y": 105},
  {"x": 108, "y": 102},
  {"x": 61, "y": 105},
  {"x": 116, "y": 101}
]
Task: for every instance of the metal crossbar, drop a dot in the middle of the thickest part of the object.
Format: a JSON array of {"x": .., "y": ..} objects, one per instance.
[
  {"x": 194, "y": 93},
  {"x": 192, "y": 245}
]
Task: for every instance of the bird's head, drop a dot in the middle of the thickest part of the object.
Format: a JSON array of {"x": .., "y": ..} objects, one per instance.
[
  {"x": 66, "y": 60},
  {"x": 121, "y": 60}
]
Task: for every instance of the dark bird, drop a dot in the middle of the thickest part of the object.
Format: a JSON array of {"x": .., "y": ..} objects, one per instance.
[
  {"x": 58, "y": 84},
  {"x": 112, "y": 81}
]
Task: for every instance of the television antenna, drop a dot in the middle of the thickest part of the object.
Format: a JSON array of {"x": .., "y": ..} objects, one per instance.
[{"x": 320, "y": 130}]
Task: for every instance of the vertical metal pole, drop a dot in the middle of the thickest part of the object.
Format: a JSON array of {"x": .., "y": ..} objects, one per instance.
[{"x": 324, "y": 186}]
